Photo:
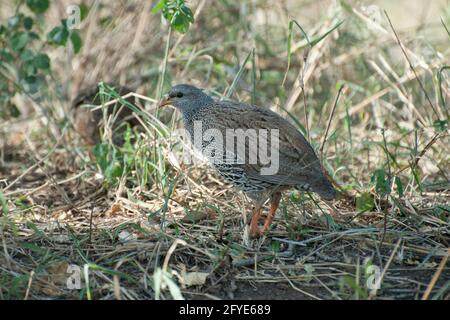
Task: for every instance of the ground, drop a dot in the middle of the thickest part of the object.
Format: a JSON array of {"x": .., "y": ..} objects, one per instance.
[
  {"x": 302, "y": 257},
  {"x": 137, "y": 222}
]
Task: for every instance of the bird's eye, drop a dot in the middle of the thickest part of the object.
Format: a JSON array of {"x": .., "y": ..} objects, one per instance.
[{"x": 179, "y": 95}]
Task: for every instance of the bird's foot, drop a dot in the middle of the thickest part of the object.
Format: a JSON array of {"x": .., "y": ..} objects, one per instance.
[
  {"x": 254, "y": 229},
  {"x": 256, "y": 232}
]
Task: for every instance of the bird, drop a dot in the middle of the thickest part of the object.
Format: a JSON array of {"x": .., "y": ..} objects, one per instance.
[
  {"x": 298, "y": 166},
  {"x": 87, "y": 122}
]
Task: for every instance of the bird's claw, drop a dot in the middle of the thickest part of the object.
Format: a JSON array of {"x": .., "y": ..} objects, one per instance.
[{"x": 256, "y": 232}]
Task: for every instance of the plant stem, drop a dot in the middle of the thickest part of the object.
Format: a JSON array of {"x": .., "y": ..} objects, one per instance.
[{"x": 163, "y": 72}]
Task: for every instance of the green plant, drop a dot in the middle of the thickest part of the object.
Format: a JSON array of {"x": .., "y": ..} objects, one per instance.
[
  {"x": 60, "y": 34},
  {"x": 3, "y": 204},
  {"x": 176, "y": 13},
  {"x": 24, "y": 63}
]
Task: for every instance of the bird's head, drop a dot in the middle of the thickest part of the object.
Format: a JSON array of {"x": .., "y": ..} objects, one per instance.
[{"x": 186, "y": 98}]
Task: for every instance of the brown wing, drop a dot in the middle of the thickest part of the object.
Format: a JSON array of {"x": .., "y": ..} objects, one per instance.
[{"x": 298, "y": 164}]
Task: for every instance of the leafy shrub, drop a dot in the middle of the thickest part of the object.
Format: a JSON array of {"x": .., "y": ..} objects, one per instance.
[
  {"x": 24, "y": 64},
  {"x": 176, "y": 13}
]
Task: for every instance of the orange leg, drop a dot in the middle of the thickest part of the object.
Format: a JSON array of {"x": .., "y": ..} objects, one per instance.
[
  {"x": 254, "y": 230},
  {"x": 273, "y": 209}
]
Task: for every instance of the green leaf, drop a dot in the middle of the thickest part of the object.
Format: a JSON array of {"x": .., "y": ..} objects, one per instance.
[
  {"x": 31, "y": 246},
  {"x": 179, "y": 23},
  {"x": 6, "y": 56},
  {"x": 76, "y": 41},
  {"x": 109, "y": 160},
  {"x": 29, "y": 69},
  {"x": 399, "y": 185},
  {"x": 3, "y": 204},
  {"x": 19, "y": 40},
  {"x": 14, "y": 111},
  {"x": 64, "y": 23},
  {"x": 26, "y": 55},
  {"x": 289, "y": 46},
  {"x": 115, "y": 171},
  {"x": 84, "y": 10},
  {"x": 101, "y": 153},
  {"x": 381, "y": 183},
  {"x": 276, "y": 246},
  {"x": 441, "y": 94},
  {"x": 364, "y": 202},
  {"x": 37, "y": 6},
  {"x": 296, "y": 121},
  {"x": 33, "y": 35},
  {"x": 176, "y": 13},
  {"x": 320, "y": 38},
  {"x": 14, "y": 20},
  {"x": 58, "y": 36},
  {"x": 416, "y": 176},
  {"x": 33, "y": 83},
  {"x": 237, "y": 77},
  {"x": 187, "y": 13},
  {"x": 310, "y": 43},
  {"x": 28, "y": 23},
  {"x": 441, "y": 125},
  {"x": 350, "y": 282},
  {"x": 159, "y": 6},
  {"x": 42, "y": 61}
]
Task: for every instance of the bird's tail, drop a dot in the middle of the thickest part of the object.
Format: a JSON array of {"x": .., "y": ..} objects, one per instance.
[{"x": 326, "y": 190}]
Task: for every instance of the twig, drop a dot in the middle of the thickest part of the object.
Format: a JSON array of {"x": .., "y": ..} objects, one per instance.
[
  {"x": 249, "y": 261},
  {"x": 329, "y": 120},
  {"x": 389, "y": 183},
  {"x": 410, "y": 65},
  {"x": 37, "y": 163},
  {"x": 163, "y": 72},
  {"x": 445, "y": 27},
  {"x": 29, "y": 192},
  {"x": 90, "y": 225},
  {"x": 328, "y": 235},
  {"x": 30, "y": 281},
  {"x": 181, "y": 37},
  {"x": 124, "y": 97},
  {"x": 302, "y": 84},
  {"x": 421, "y": 154},
  {"x": 383, "y": 273},
  {"x": 170, "y": 251},
  {"x": 436, "y": 276},
  {"x": 297, "y": 289}
]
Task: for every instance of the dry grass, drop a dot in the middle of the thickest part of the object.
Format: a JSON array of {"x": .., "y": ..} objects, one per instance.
[{"x": 59, "y": 209}]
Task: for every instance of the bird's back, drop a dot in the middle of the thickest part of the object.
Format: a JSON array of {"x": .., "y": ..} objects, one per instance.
[{"x": 297, "y": 164}]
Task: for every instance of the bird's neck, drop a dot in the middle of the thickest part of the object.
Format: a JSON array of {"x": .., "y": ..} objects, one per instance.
[
  {"x": 189, "y": 116},
  {"x": 191, "y": 112}
]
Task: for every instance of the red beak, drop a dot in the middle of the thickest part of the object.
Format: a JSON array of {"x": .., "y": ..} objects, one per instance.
[{"x": 164, "y": 102}]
